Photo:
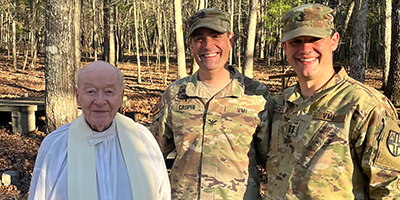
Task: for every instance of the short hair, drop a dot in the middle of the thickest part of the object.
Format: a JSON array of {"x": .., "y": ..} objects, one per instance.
[{"x": 120, "y": 75}]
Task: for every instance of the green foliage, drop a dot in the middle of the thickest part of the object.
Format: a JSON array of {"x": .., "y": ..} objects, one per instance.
[{"x": 272, "y": 19}]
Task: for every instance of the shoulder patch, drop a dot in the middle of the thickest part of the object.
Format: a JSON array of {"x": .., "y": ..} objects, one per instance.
[
  {"x": 388, "y": 155},
  {"x": 393, "y": 143}
]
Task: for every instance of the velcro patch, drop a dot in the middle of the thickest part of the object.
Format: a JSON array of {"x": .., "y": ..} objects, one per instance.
[
  {"x": 280, "y": 109},
  {"x": 389, "y": 147},
  {"x": 393, "y": 143},
  {"x": 156, "y": 108},
  {"x": 186, "y": 107},
  {"x": 293, "y": 128},
  {"x": 330, "y": 117}
]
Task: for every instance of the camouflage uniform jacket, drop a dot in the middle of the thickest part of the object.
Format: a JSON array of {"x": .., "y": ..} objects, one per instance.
[
  {"x": 213, "y": 136},
  {"x": 341, "y": 143}
]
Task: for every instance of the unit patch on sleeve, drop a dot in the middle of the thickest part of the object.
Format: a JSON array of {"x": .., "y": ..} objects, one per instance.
[
  {"x": 393, "y": 143},
  {"x": 156, "y": 108},
  {"x": 388, "y": 155}
]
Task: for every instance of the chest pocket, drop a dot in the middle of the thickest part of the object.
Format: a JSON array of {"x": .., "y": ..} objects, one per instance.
[
  {"x": 327, "y": 154},
  {"x": 242, "y": 118},
  {"x": 186, "y": 117}
]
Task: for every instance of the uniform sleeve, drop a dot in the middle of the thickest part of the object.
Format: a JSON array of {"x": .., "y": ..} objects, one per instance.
[
  {"x": 263, "y": 131},
  {"x": 380, "y": 152},
  {"x": 159, "y": 127}
]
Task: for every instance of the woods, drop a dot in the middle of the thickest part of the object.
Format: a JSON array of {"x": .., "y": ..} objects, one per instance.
[
  {"x": 124, "y": 32},
  {"x": 115, "y": 29}
]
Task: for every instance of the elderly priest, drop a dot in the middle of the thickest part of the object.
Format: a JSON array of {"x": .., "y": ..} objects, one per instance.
[{"x": 102, "y": 154}]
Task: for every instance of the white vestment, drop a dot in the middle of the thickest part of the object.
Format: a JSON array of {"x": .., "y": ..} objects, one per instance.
[{"x": 49, "y": 179}]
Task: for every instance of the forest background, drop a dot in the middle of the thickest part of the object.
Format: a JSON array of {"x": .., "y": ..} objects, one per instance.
[{"x": 44, "y": 42}]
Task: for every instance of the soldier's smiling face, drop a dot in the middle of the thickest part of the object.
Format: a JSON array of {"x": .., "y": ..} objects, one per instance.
[
  {"x": 210, "y": 48},
  {"x": 311, "y": 57}
]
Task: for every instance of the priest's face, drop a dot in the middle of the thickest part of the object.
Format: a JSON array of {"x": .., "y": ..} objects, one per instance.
[{"x": 100, "y": 94}]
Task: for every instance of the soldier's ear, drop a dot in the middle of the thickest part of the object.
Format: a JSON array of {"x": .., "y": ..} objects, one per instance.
[
  {"x": 190, "y": 44},
  {"x": 335, "y": 41},
  {"x": 231, "y": 38},
  {"x": 284, "y": 46}
]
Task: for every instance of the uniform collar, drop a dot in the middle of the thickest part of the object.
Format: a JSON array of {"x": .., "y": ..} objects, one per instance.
[
  {"x": 294, "y": 94},
  {"x": 235, "y": 88}
]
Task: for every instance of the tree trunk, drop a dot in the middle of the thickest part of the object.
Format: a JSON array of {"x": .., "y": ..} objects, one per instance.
[
  {"x": 239, "y": 37},
  {"x": 137, "y": 44},
  {"x": 344, "y": 47},
  {"x": 77, "y": 33},
  {"x": 145, "y": 41},
  {"x": 392, "y": 90},
  {"x": 33, "y": 32},
  {"x": 232, "y": 7},
  {"x": 180, "y": 45},
  {"x": 1, "y": 29},
  {"x": 95, "y": 36},
  {"x": 166, "y": 49},
  {"x": 201, "y": 5},
  {"x": 387, "y": 30},
  {"x": 262, "y": 30},
  {"x": 159, "y": 36},
  {"x": 14, "y": 35},
  {"x": 251, "y": 37},
  {"x": 358, "y": 48},
  {"x": 106, "y": 34},
  {"x": 112, "y": 28},
  {"x": 60, "y": 63}
]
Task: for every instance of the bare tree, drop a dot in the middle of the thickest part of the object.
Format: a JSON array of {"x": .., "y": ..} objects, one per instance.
[
  {"x": 112, "y": 28},
  {"x": 166, "y": 48},
  {"x": 137, "y": 43},
  {"x": 109, "y": 35},
  {"x": 358, "y": 50},
  {"x": 95, "y": 35},
  {"x": 60, "y": 63},
  {"x": 77, "y": 33},
  {"x": 387, "y": 30},
  {"x": 232, "y": 12},
  {"x": 14, "y": 34},
  {"x": 180, "y": 45},
  {"x": 392, "y": 90},
  {"x": 251, "y": 37}
]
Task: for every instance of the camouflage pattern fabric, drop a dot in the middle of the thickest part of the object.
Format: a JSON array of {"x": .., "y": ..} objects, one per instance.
[
  {"x": 341, "y": 143},
  {"x": 211, "y": 18},
  {"x": 308, "y": 20},
  {"x": 213, "y": 136}
]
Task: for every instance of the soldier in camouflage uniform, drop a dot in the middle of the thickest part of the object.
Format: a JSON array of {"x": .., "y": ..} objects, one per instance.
[
  {"x": 332, "y": 137},
  {"x": 212, "y": 119}
]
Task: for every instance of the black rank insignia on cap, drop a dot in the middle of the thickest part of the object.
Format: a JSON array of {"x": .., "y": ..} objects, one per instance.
[
  {"x": 202, "y": 15},
  {"x": 393, "y": 143},
  {"x": 300, "y": 18}
]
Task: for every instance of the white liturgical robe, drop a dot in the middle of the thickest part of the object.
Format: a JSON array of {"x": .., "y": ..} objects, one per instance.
[{"x": 49, "y": 180}]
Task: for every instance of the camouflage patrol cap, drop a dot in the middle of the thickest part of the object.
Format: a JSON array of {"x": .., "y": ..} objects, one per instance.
[
  {"x": 211, "y": 18},
  {"x": 308, "y": 20}
]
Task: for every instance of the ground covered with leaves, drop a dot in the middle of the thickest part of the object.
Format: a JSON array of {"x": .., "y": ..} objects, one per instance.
[{"x": 18, "y": 150}]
